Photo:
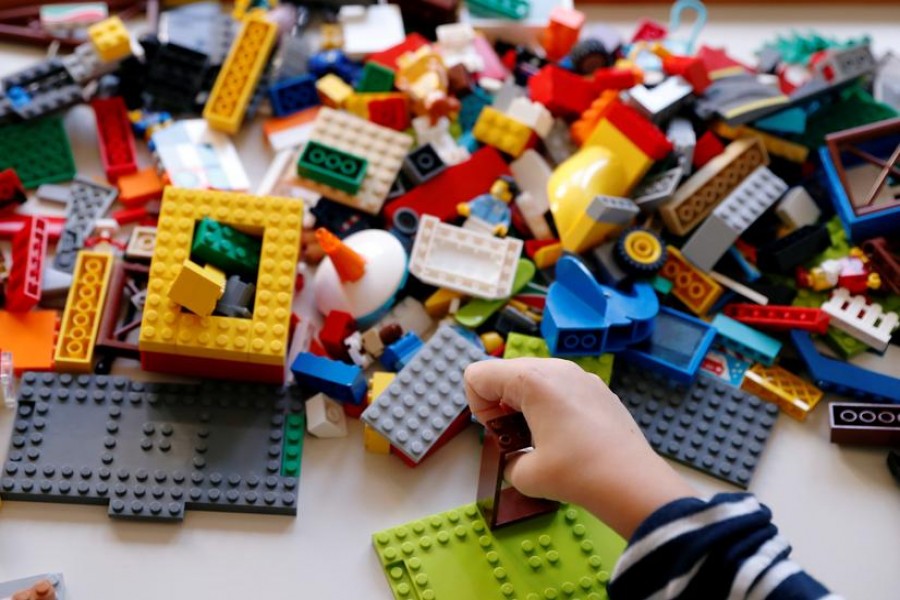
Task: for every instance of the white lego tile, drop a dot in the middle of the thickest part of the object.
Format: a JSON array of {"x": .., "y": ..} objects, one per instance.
[
  {"x": 369, "y": 29},
  {"x": 325, "y": 417},
  {"x": 684, "y": 139},
  {"x": 866, "y": 322},
  {"x": 797, "y": 208},
  {"x": 533, "y": 114},
  {"x": 532, "y": 173},
  {"x": 471, "y": 263}
]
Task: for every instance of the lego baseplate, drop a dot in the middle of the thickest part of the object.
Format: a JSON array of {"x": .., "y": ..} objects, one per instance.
[
  {"x": 451, "y": 555},
  {"x": 150, "y": 451},
  {"x": 710, "y": 426}
]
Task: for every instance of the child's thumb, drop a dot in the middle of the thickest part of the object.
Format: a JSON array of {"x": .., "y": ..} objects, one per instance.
[{"x": 525, "y": 472}]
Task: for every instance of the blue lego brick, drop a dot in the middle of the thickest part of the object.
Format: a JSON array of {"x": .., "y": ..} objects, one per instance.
[
  {"x": 293, "y": 95},
  {"x": 746, "y": 340},
  {"x": 676, "y": 348},
  {"x": 584, "y": 318},
  {"x": 331, "y": 377},
  {"x": 844, "y": 378},
  {"x": 751, "y": 273},
  {"x": 397, "y": 355}
]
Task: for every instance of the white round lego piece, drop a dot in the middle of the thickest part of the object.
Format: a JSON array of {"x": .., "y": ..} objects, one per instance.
[{"x": 385, "y": 273}]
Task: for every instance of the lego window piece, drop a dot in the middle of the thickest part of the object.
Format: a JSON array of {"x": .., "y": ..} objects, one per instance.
[
  {"x": 122, "y": 310},
  {"x": 885, "y": 260},
  {"x": 84, "y": 308},
  {"x": 710, "y": 426},
  {"x": 502, "y": 505},
  {"x": 865, "y": 322},
  {"x": 864, "y": 424},
  {"x": 465, "y": 261},
  {"x": 792, "y": 394},
  {"x": 427, "y": 396},
  {"x": 38, "y": 150},
  {"x": 190, "y": 435}
]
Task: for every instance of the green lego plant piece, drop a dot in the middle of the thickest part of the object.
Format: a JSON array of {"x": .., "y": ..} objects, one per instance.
[
  {"x": 332, "y": 167},
  {"x": 601, "y": 366},
  {"x": 511, "y": 9},
  {"x": 890, "y": 303},
  {"x": 292, "y": 445},
  {"x": 809, "y": 299},
  {"x": 855, "y": 107},
  {"x": 519, "y": 345},
  {"x": 565, "y": 554},
  {"x": 844, "y": 344},
  {"x": 797, "y": 49},
  {"x": 226, "y": 248},
  {"x": 839, "y": 247},
  {"x": 38, "y": 150},
  {"x": 375, "y": 78}
]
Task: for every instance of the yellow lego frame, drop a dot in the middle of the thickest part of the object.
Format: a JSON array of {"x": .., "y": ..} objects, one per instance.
[{"x": 261, "y": 339}]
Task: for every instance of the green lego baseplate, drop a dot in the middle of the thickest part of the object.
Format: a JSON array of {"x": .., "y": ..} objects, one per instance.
[
  {"x": 855, "y": 107},
  {"x": 38, "y": 150},
  {"x": 225, "y": 248},
  {"x": 332, "y": 167},
  {"x": 454, "y": 554},
  {"x": 519, "y": 345}
]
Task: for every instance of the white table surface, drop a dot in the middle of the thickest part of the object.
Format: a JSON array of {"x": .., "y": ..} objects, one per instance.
[{"x": 838, "y": 505}]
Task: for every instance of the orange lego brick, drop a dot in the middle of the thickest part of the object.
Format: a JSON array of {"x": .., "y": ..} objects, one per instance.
[
  {"x": 793, "y": 395},
  {"x": 693, "y": 288},
  {"x": 582, "y": 129},
  {"x": 30, "y": 337},
  {"x": 138, "y": 188},
  {"x": 502, "y": 132},
  {"x": 84, "y": 307}
]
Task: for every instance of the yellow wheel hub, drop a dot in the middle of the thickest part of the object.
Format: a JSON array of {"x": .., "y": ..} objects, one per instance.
[{"x": 643, "y": 247}]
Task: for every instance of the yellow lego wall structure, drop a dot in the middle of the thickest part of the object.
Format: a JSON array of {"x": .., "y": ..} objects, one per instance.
[
  {"x": 240, "y": 74},
  {"x": 262, "y": 339},
  {"x": 502, "y": 132},
  {"x": 84, "y": 309},
  {"x": 110, "y": 39}
]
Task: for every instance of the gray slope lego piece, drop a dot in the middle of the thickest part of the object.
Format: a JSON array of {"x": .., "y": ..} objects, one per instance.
[
  {"x": 8, "y": 588},
  {"x": 150, "y": 451},
  {"x": 426, "y": 396},
  {"x": 613, "y": 210},
  {"x": 657, "y": 189},
  {"x": 90, "y": 201},
  {"x": 710, "y": 426},
  {"x": 749, "y": 200}
]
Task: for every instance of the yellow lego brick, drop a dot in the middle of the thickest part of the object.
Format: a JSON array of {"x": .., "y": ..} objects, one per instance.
[
  {"x": 372, "y": 440},
  {"x": 358, "y": 104},
  {"x": 699, "y": 195},
  {"x": 243, "y": 8},
  {"x": 84, "y": 308},
  {"x": 333, "y": 91},
  {"x": 197, "y": 288},
  {"x": 110, "y": 39},
  {"x": 635, "y": 163},
  {"x": 438, "y": 304},
  {"x": 502, "y": 132},
  {"x": 793, "y": 395},
  {"x": 693, "y": 288},
  {"x": 775, "y": 145},
  {"x": 239, "y": 75},
  {"x": 260, "y": 339}
]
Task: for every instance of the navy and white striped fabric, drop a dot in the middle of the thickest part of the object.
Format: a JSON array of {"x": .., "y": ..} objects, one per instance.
[{"x": 726, "y": 547}]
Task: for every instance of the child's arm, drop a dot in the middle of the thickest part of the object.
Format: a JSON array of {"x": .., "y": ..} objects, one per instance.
[{"x": 589, "y": 451}]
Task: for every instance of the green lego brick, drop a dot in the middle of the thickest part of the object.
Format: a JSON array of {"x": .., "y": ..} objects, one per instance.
[
  {"x": 38, "y": 150},
  {"x": 566, "y": 554},
  {"x": 839, "y": 247},
  {"x": 226, "y": 248},
  {"x": 332, "y": 167},
  {"x": 601, "y": 366},
  {"x": 475, "y": 313},
  {"x": 809, "y": 299},
  {"x": 519, "y": 345},
  {"x": 854, "y": 108},
  {"x": 375, "y": 78},
  {"x": 844, "y": 344},
  {"x": 511, "y": 9},
  {"x": 292, "y": 445}
]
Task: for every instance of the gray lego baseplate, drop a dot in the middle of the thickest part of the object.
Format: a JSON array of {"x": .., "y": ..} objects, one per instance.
[
  {"x": 710, "y": 426},
  {"x": 89, "y": 202},
  {"x": 151, "y": 450},
  {"x": 426, "y": 396}
]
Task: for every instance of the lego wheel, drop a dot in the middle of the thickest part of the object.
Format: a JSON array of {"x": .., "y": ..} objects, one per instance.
[
  {"x": 640, "y": 252},
  {"x": 589, "y": 55}
]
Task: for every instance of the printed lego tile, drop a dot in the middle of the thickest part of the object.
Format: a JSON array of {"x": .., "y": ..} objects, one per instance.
[
  {"x": 693, "y": 288},
  {"x": 38, "y": 150},
  {"x": 455, "y": 554},
  {"x": 84, "y": 308},
  {"x": 150, "y": 450},
  {"x": 141, "y": 244},
  {"x": 793, "y": 395},
  {"x": 710, "y": 426},
  {"x": 864, "y": 424},
  {"x": 427, "y": 396},
  {"x": 463, "y": 260},
  {"x": 30, "y": 337},
  {"x": 382, "y": 148}
]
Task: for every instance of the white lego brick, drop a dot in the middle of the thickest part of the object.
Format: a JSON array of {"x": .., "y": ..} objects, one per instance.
[
  {"x": 410, "y": 315},
  {"x": 532, "y": 173},
  {"x": 456, "y": 46},
  {"x": 505, "y": 94},
  {"x": 7, "y": 380},
  {"x": 797, "y": 209},
  {"x": 384, "y": 149},
  {"x": 659, "y": 102},
  {"x": 740, "y": 289},
  {"x": 438, "y": 135},
  {"x": 369, "y": 29},
  {"x": 371, "y": 341},
  {"x": 866, "y": 322},
  {"x": 325, "y": 417},
  {"x": 681, "y": 134},
  {"x": 471, "y": 263},
  {"x": 533, "y": 114},
  {"x": 612, "y": 210},
  {"x": 534, "y": 214}
]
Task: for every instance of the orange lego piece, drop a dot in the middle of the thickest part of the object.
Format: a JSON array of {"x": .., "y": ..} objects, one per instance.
[
  {"x": 582, "y": 129},
  {"x": 692, "y": 287},
  {"x": 30, "y": 337},
  {"x": 795, "y": 396},
  {"x": 350, "y": 266},
  {"x": 138, "y": 188}
]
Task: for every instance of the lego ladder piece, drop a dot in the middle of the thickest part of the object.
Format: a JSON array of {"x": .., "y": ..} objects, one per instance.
[
  {"x": 505, "y": 436},
  {"x": 864, "y": 424},
  {"x": 29, "y": 247},
  {"x": 793, "y": 395},
  {"x": 84, "y": 307},
  {"x": 866, "y": 322}
]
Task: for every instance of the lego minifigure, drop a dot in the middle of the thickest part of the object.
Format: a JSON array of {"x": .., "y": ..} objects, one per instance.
[{"x": 490, "y": 212}]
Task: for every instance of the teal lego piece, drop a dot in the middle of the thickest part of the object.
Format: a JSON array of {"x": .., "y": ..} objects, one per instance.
[
  {"x": 601, "y": 366},
  {"x": 565, "y": 554},
  {"x": 745, "y": 340},
  {"x": 292, "y": 444},
  {"x": 519, "y": 345},
  {"x": 661, "y": 285},
  {"x": 38, "y": 150},
  {"x": 791, "y": 120},
  {"x": 375, "y": 78},
  {"x": 511, "y": 9},
  {"x": 225, "y": 248},
  {"x": 330, "y": 166},
  {"x": 797, "y": 48}
]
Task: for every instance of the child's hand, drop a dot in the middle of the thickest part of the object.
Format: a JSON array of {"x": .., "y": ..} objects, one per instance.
[{"x": 587, "y": 448}]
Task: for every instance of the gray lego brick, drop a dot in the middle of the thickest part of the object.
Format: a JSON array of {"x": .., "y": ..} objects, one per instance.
[
  {"x": 657, "y": 189},
  {"x": 710, "y": 426},
  {"x": 89, "y": 202},
  {"x": 150, "y": 451},
  {"x": 8, "y": 588},
  {"x": 426, "y": 396}
]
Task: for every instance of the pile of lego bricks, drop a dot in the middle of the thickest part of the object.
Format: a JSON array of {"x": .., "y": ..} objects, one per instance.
[{"x": 464, "y": 180}]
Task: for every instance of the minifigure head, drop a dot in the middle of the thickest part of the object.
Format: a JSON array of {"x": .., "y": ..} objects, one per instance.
[{"x": 504, "y": 189}]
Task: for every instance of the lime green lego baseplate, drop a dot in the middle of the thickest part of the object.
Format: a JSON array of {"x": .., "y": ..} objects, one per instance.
[{"x": 567, "y": 555}]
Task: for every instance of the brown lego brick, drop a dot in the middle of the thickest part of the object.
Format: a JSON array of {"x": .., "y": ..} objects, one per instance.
[{"x": 864, "y": 424}]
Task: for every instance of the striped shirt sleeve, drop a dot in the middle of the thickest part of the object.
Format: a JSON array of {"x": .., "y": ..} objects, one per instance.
[{"x": 725, "y": 547}]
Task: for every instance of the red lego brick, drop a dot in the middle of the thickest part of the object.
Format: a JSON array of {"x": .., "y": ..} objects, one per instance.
[
  {"x": 779, "y": 318},
  {"x": 644, "y": 134},
  {"x": 13, "y": 224},
  {"x": 565, "y": 94},
  {"x": 12, "y": 193},
  {"x": 649, "y": 31},
  {"x": 708, "y": 147},
  {"x": 460, "y": 183},
  {"x": 689, "y": 67},
  {"x": 191, "y": 366},
  {"x": 337, "y": 327},
  {"x": 29, "y": 247},
  {"x": 315, "y": 347},
  {"x": 614, "y": 78},
  {"x": 390, "y": 112},
  {"x": 855, "y": 284},
  {"x": 117, "y": 151},
  {"x": 717, "y": 59},
  {"x": 354, "y": 411},
  {"x": 388, "y": 58}
]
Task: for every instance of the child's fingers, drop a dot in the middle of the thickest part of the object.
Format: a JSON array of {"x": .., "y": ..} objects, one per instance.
[
  {"x": 492, "y": 381},
  {"x": 525, "y": 473}
]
